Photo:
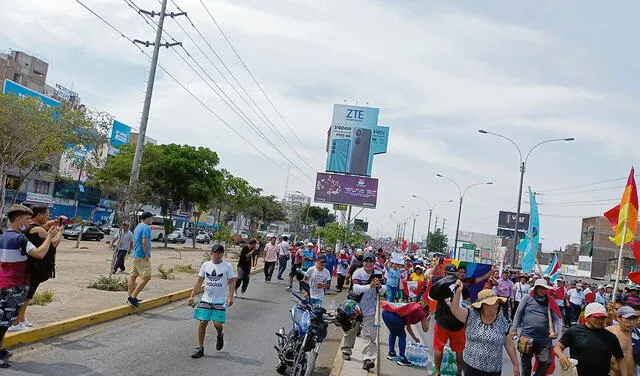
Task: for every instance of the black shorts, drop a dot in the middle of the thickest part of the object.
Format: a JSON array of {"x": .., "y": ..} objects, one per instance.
[
  {"x": 32, "y": 290},
  {"x": 294, "y": 269}
]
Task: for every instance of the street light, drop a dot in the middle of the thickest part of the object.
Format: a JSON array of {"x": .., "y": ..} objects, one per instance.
[
  {"x": 523, "y": 166},
  {"x": 462, "y": 193},
  {"x": 414, "y": 215},
  {"x": 430, "y": 212}
]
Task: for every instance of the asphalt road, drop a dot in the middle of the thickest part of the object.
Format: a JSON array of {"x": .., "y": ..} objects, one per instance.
[{"x": 159, "y": 342}]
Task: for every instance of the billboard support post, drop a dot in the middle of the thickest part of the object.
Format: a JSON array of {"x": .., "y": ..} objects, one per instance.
[{"x": 346, "y": 233}]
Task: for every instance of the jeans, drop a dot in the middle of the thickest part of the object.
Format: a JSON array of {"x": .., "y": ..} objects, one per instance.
[
  {"x": 118, "y": 263},
  {"x": 282, "y": 265},
  {"x": 269, "y": 266},
  {"x": 392, "y": 293},
  {"x": 243, "y": 278},
  {"x": 575, "y": 313},
  {"x": 505, "y": 309},
  {"x": 542, "y": 350},
  {"x": 514, "y": 308},
  {"x": 340, "y": 282},
  {"x": 395, "y": 324}
]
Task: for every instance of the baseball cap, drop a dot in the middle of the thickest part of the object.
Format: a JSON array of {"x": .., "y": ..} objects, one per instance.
[
  {"x": 595, "y": 310},
  {"x": 146, "y": 215},
  {"x": 310, "y": 244},
  {"x": 369, "y": 255},
  {"x": 609, "y": 286},
  {"x": 540, "y": 282},
  {"x": 600, "y": 287},
  {"x": 626, "y": 312},
  {"x": 217, "y": 248},
  {"x": 342, "y": 252},
  {"x": 19, "y": 208},
  {"x": 322, "y": 258}
]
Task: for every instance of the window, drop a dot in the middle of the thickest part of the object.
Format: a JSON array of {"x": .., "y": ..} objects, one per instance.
[
  {"x": 42, "y": 187},
  {"x": 13, "y": 182}
]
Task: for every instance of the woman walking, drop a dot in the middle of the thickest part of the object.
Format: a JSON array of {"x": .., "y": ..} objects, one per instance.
[{"x": 487, "y": 333}]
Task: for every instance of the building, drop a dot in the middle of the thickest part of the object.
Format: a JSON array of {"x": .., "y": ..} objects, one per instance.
[
  {"x": 24, "y": 69},
  {"x": 481, "y": 241},
  {"x": 596, "y": 250},
  {"x": 293, "y": 202},
  {"x": 133, "y": 139}
]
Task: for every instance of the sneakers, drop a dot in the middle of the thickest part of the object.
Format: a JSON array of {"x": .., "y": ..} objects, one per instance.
[
  {"x": 198, "y": 352},
  {"x": 267, "y": 281},
  {"x": 368, "y": 364},
  {"x": 280, "y": 279},
  {"x": 16, "y": 328},
  {"x": 241, "y": 294},
  {"x": 288, "y": 289},
  {"x": 220, "y": 342},
  {"x": 404, "y": 362},
  {"x": 5, "y": 354},
  {"x": 27, "y": 323},
  {"x": 4, "y": 364},
  {"x": 236, "y": 294},
  {"x": 392, "y": 356},
  {"x": 346, "y": 356},
  {"x": 135, "y": 303}
]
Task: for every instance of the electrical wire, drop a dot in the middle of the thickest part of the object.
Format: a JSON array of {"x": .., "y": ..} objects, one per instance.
[{"x": 183, "y": 86}]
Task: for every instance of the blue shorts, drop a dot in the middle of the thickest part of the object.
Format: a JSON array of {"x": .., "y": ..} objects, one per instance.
[{"x": 204, "y": 314}]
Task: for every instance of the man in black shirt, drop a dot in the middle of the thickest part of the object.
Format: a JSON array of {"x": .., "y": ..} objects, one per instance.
[
  {"x": 244, "y": 266},
  {"x": 591, "y": 345}
]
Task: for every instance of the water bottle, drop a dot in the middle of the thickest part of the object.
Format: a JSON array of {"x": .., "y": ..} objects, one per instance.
[
  {"x": 449, "y": 365},
  {"x": 410, "y": 352}
]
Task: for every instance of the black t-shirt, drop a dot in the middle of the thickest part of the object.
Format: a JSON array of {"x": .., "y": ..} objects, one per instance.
[
  {"x": 244, "y": 261},
  {"x": 444, "y": 317},
  {"x": 593, "y": 348}
]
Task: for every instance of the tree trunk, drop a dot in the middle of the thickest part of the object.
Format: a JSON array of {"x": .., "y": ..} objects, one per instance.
[{"x": 3, "y": 190}]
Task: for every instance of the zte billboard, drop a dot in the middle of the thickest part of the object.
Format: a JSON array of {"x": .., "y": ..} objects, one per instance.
[{"x": 354, "y": 138}]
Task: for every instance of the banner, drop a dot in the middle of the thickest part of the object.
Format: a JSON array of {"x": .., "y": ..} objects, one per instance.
[
  {"x": 120, "y": 135},
  {"x": 347, "y": 190}
]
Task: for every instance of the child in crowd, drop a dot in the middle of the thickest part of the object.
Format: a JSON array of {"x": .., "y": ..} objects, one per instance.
[{"x": 393, "y": 270}]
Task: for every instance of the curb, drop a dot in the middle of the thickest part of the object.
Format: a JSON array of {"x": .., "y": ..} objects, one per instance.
[
  {"x": 337, "y": 361},
  {"x": 65, "y": 326}
]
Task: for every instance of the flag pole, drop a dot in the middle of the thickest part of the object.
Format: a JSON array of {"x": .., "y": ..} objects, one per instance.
[{"x": 624, "y": 235}]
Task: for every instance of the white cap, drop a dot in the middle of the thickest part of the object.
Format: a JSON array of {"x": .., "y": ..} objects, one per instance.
[
  {"x": 541, "y": 283},
  {"x": 595, "y": 309},
  {"x": 342, "y": 252},
  {"x": 609, "y": 286},
  {"x": 310, "y": 244},
  {"x": 600, "y": 287}
]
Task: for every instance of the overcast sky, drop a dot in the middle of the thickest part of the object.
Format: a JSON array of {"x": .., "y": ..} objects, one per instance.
[{"x": 438, "y": 71}]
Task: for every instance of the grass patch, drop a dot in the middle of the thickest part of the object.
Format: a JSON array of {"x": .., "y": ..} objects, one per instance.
[
  {"x": 164, "y": 272},
  {"x": 184, "y": 269},
  {"x": 42, "y": 298},
  {"x": 108, "y": 283}
]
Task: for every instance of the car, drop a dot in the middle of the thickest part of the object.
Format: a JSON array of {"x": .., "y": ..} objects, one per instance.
[
  {"x": 203, "y": 238},
  {"x": 88, "y": 233},
  {"x": 176, "y": 237}
]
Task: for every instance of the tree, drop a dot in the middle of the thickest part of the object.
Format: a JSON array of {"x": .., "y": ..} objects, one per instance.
[
  {"x": 33, "y": 132},
  {"x": 315, "y": 214},
  {"x": 334, "y": 233},
  {"x": 437, "y": 242}
]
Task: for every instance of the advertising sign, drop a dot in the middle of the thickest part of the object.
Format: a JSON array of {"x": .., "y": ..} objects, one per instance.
[
  {"x": 508, "y": 220},
  {"x": 120, "y": 135},
  {"x": 354, "y": 138},
  {"x": 347, "y": 190},
  {"x": 11, "y": 87}
]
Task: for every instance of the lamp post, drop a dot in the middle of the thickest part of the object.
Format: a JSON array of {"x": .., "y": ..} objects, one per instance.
[
  {"x": 430, "y": 213},
  {"x": 462, "y": 193},
  {"x": 414, "y": 215},
  {"x": 523, "y": 167}
]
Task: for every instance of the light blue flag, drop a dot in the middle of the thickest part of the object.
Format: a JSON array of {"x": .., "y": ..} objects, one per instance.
[{"x": 529, "y": 245}]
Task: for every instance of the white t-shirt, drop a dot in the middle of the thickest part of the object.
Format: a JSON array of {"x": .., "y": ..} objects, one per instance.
[
  {"x": 216, "y": 281},
  {"x": 284, "y": 248},
  {"x": 575, "y": 296},
  {"x": 316, "y": 276}
]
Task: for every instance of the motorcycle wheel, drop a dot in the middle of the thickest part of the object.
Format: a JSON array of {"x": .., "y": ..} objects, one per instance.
[
  {"x": 311, "y": 363},
  {"x": 300, "y": 365},
  {"x": 281, "y": 368}
]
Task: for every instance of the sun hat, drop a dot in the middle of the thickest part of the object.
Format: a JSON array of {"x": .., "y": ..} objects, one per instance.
[
  {"x": 626, "y": 312},
  {"x": 488, "y": 296},
  {"x": 540, "y": 282},
  {"x": 595, "y": 310}
]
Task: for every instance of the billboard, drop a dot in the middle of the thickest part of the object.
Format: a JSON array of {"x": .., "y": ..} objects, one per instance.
[
  {"x": 346, "y": 189},
  {"x": 507, "y": 220},
  {"x": 11, "y": 87},
  {"x": 354, "y": 138},
  {"x": 120, "y": 135}
]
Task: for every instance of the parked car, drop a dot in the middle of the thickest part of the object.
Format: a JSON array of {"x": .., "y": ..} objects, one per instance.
[
  {"x": 89, "y": 233},
  {"x": 176, "y": 237},
  {"x": 203, "y": 238}
]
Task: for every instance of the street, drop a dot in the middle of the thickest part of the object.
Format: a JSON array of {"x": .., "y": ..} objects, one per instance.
[{"x": 159, "y": 342}]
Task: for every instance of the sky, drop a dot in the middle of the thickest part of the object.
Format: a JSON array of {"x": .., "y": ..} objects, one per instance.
[{"x": 438, "y": 71}]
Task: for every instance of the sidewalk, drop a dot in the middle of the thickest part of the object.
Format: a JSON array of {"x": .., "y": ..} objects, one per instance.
[{"x": 353, "y": 367}]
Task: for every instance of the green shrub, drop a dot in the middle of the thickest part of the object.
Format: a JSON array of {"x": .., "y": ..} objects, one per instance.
[
  {"x": 165, "y": 273},
  {"x": 43, "y": 298},
  {"x": 108, "y": 283},
  {"x": 184, "y": 269}
]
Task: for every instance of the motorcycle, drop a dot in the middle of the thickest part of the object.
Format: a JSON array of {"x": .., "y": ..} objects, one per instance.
[{"x": 299, "y": 347}]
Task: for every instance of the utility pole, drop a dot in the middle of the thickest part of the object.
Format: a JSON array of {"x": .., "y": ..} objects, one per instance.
[
  {"x": 135, "y": 168},
  {"x": 444, "y": 220},
  {"x": 426, "y": 242}
]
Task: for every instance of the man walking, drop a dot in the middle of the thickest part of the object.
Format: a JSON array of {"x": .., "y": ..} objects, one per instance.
[
  {"x": 318, "y": 278},
  {"x": 141, "y": 259},
  {"x": 270, "y": 259},
  {"x": 219, "y": 282},
  {"x": 504, "y": 289},
  {"x": 591, "y": 345},
  {"x": 38, "y": 269},
  {"x": 574, "y": 300},
  {"x": 244, "y": 266},
  {"x": 284, "y": 250},
  {"x": 123, "y": 242},
  {"x": 308, "y": 257},
  {"x": 533, "y": 316},
  {"x": 627, "y": 319},
  {"x": 369, "y": 286}
]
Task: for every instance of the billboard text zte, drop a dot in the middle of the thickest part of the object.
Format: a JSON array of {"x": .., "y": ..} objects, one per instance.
[{"x": 354, "y": 138}]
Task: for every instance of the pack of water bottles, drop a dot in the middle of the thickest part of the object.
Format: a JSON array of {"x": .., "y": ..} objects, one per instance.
[
  {"x": 449, "y": 367},
  {"x": 417, "y": 354}
]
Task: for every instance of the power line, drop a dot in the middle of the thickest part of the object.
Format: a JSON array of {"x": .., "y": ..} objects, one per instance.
[
  {"x": 180, "y": 84},
  {"x": 253, "y": 77},
  {"x": 228, "y": 101},
  {"x": 584, "y": 185}
]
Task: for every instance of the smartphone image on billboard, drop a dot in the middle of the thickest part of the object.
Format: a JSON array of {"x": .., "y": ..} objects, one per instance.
[
  {"x": 360, "y": 151},
  {"x": 339, "y": 155}
]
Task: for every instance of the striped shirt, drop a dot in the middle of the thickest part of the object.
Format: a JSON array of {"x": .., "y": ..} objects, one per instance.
[{"x": 13, "y": 262}]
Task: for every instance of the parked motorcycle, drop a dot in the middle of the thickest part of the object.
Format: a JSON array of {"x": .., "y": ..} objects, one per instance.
[{"x": 299, "y": 347}]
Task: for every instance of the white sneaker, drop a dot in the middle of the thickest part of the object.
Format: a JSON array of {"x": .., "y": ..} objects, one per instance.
[
  {"x": 242, "y": 296},
  {"x": 27, "y": 323},
  {"x": 17, "y": 328}
]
